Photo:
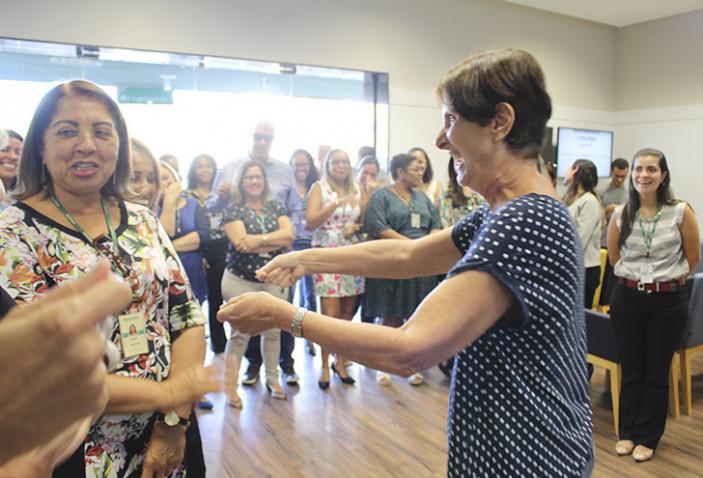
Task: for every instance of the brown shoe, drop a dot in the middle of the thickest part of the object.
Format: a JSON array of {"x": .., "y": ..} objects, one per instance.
[{"x": 624, "y": 447}]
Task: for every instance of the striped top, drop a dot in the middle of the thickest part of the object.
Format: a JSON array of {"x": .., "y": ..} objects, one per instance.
[{"x": 666, "y": 256}]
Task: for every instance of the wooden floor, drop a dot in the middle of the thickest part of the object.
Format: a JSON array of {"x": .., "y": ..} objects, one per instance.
[{"x": 371, "y": 431}]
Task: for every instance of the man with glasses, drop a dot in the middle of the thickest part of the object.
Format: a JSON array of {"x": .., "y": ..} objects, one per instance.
[{"x": 282, "y": 187}]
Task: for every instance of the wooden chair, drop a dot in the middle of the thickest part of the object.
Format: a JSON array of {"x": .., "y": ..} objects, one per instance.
[
  {"x": 602, "y": 351},
  {"x": 692, "y": 342},
  {"x": 596, "y": 297}
]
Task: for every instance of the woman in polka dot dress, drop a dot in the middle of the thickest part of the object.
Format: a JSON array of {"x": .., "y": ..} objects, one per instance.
[
  {"x": 511, "y": 305},
  {"x": 334, "y": 215}
]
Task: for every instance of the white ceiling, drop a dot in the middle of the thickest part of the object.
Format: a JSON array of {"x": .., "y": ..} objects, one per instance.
[{"x": 618, "y": 13}]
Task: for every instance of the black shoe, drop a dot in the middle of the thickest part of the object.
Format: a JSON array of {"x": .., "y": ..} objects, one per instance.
[
  {"x": 290, "y": 377},
  {"x": 324, "y": 385},
  {"x": 447, "y": 366},
  {"x": 251, "y": 376},
  {"x": 346, "y": 380}
]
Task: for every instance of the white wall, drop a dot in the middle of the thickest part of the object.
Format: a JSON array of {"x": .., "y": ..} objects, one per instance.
[
  {"x": 415, "y": 41},
  {"x": 659, "y": 97}
]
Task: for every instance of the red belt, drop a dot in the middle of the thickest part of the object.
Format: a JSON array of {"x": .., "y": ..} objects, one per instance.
[{"x": 668, "y": 286}]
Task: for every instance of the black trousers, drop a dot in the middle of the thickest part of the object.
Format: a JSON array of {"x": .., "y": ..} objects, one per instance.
[
  {"x": 216, "y": 258},
  {"x": 648, "y": 329},
  {"x": 591, "y": 284}
]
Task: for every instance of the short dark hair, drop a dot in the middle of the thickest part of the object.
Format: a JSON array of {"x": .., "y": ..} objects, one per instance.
[
  {"x": 192, "y": 180},
  {"x": 619, "y": 163},
  {"x": 32, "y": 180},
  {"x": 366, "y": 151},
  {"x": 369, "y": 160},
  {"x": 429, "y": 174},
  {"x": 401, "y": 161},
  {"x": 474, "y": 87}
]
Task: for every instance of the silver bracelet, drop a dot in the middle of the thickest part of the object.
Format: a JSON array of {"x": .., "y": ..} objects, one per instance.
[{"x": 296, "y": 326}]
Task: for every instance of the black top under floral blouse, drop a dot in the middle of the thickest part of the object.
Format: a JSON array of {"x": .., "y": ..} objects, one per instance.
[{"x": 243, "y": 264}]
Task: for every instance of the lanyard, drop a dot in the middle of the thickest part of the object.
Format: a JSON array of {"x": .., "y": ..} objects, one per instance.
[
  {"x": 649, "y": 234},
  {"x": 262, "y": 222},
  {"x": 78, "y": 228},
  {"x": 407, "y": 202}
]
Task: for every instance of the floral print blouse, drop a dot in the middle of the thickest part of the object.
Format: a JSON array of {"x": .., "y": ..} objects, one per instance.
[{"x": 37, "y": 253}]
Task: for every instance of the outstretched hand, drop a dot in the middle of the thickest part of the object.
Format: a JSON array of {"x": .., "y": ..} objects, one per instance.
[
  {"x": 62, "y": 380},
  {"x": 284, "y": 270},
  {"x": 255, "y": 312}
]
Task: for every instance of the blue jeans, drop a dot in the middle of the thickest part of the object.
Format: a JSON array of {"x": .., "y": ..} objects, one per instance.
[{"x": 306, "y": 287}]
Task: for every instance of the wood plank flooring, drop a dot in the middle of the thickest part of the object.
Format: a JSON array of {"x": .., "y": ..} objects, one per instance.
[{"x": 400, "y": 431}]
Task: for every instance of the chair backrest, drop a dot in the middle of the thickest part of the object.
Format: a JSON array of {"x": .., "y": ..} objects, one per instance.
[
  {"x": 693, "y": 334},
  {"x": 600, "y": 335},
  {"x": 599, "y": 289}
]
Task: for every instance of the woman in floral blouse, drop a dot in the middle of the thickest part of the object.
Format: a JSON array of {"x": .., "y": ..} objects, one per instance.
[
  {"x": 71, "y": 212},
  {"x": 258, "y": 230}
]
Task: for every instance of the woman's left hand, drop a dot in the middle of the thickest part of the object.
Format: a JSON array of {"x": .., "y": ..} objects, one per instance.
[
  {"x": 248, "y": 243},
  {"x": 165, "y": 451},
  {"x": 350, "y": 229},
  {"x": 254, "y": 312}
]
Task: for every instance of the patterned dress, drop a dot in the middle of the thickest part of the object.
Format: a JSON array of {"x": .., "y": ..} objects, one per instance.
[
  {"x": 330, "y": 234},
  {"x": 37, "y": 253},
  {"x": 519, "y": 402}
]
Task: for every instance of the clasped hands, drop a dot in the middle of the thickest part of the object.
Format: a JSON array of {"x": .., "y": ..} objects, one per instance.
[{"x": 255, "y": 312}]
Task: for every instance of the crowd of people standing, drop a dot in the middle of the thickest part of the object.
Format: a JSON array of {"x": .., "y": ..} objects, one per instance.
[{"x": 85, "y": 194}]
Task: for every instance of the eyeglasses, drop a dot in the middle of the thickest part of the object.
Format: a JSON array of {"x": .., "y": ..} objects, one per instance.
[
  {"x": 339, "y": 162},
  {"x": 263, "y": 137},
  {"x": 103, "y": 244},
  {"x": 252, "y": 178}
]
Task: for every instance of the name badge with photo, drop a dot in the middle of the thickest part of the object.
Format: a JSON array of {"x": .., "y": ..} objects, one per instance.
[
  {"x": 415, "y": 220},
  {"x": 133, "y": 335}
]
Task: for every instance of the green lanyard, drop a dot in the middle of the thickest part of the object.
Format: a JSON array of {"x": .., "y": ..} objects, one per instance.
[
  {"x": 649, "y": 235},
  {"x": 78, "y": 228},
  {"x": 262, "y": 222}
]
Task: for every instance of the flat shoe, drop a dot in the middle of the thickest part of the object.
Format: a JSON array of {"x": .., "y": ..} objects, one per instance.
[
  {"x": 624, "y": 447},
  {"x": 383, "y": 379},
  {"x": 416, "y": 379},
  {"x": 642, "y": 453},
  {"x": 277, "y": 394}
]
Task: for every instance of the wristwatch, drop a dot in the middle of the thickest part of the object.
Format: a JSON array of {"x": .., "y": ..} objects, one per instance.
[
  {"x": 172, "y": 419},
  {"x": 296, "y": 326}
]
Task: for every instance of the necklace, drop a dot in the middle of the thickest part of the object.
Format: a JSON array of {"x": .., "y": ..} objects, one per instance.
[{"x": 648, "y": 233}]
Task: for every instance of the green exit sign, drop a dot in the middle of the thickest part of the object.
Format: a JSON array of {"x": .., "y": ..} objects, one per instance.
[{"x": 145, "y": 95}]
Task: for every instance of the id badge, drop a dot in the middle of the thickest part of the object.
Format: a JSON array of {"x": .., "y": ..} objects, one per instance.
[
  {"x": 647, "y": 274},
  {"x": 133, "y": 335},
  {"x": 415, "y": 220}
]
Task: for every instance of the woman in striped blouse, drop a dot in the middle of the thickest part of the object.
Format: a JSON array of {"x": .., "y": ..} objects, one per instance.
[{"x": 653, "y": 243}]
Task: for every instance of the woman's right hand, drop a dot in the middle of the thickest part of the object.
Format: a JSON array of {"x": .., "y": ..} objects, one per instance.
[
  {"x": 190, "y": 385},
  {"x": 284, "y": 270},
  {"x": 172, "y": 193}
]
